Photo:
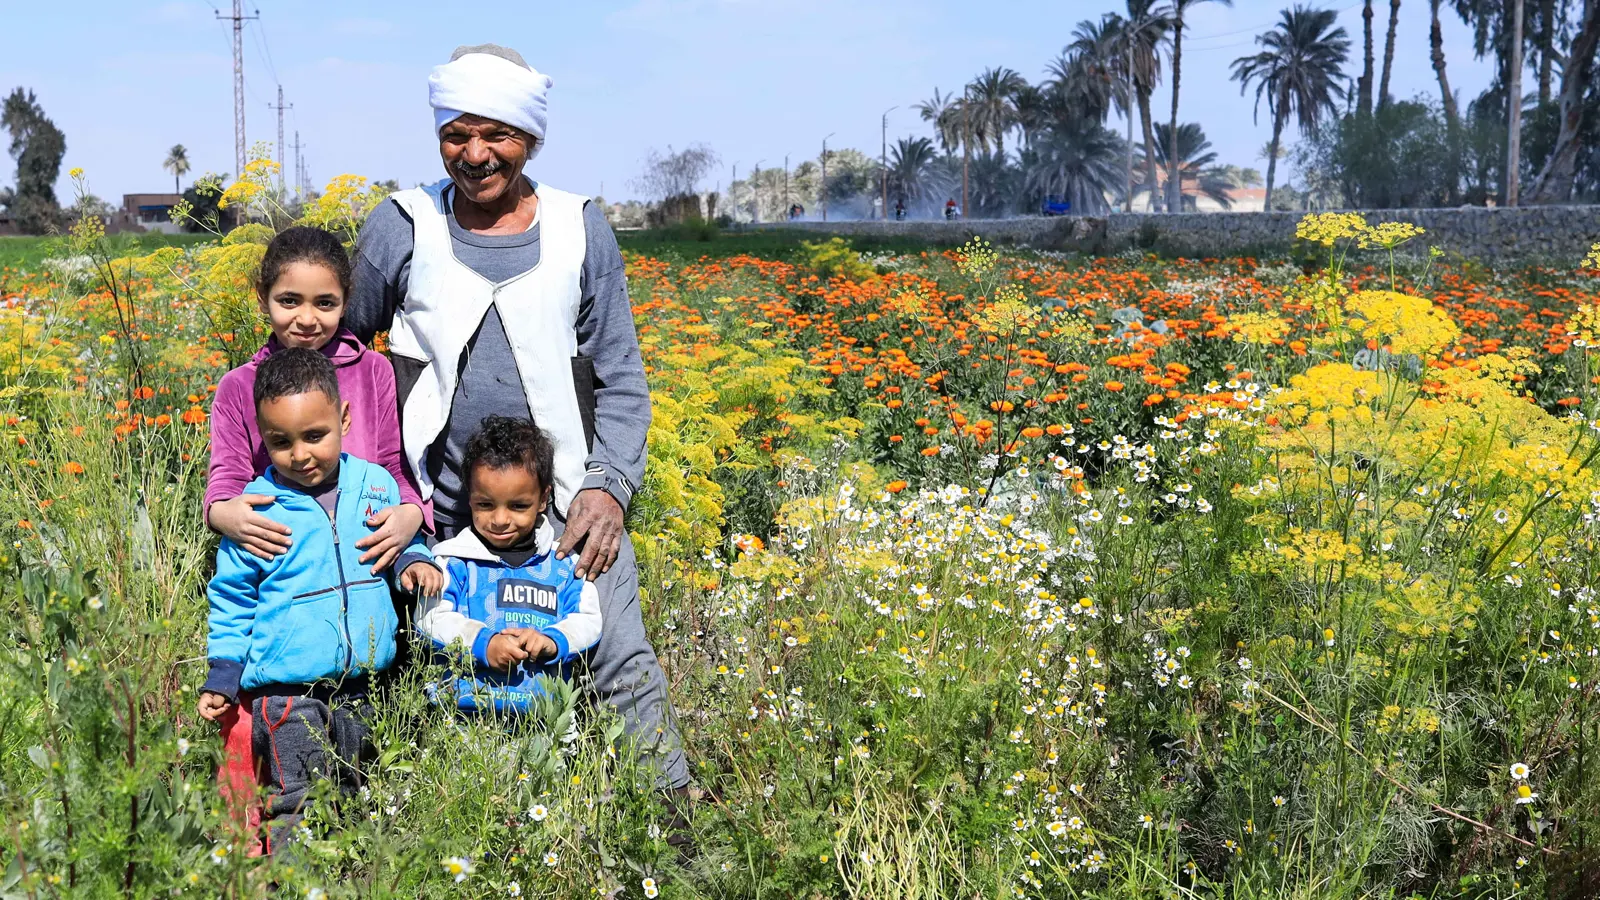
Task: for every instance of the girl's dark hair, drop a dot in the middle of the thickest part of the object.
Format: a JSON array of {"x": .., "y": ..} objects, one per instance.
[
  {"x": 503, "y": 441},
  {"x": 307, "y": 245},
  {"x": 297, "y": 370}
]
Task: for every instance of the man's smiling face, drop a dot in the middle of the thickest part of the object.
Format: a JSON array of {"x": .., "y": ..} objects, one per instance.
[{"x": 484, "y": 157}]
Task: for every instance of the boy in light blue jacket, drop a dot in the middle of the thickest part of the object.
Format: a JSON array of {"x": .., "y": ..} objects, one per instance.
[
  {"x": 521, "y": 612},
  {"x": 303, "y": 632}
]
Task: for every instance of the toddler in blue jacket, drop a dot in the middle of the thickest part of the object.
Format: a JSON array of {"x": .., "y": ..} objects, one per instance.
[
  {"x": 303, "y": 631},
  {"x": 507, "y": 599}
]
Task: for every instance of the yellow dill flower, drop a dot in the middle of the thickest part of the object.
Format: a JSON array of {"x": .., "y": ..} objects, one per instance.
[
  {"x": 1407, "y": 324},
  {"x": 1583, "y": 326},
  {"x": 976, "y": 257},
  {"x": 1327, "y": 228},
  {"x": 1592, "y": 261},
  {"x": 1010, "y": 312},
  {"x": 1258, "y": 328},
  {"x": 1387, "y": 235}
]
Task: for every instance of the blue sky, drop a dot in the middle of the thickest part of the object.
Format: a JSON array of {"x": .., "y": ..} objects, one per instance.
[{"x": 755, "y": 79}]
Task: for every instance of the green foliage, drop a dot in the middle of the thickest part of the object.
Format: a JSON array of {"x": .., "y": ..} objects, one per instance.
[
  {"x": 38, "y": 146},
  {"x": 836, "y": 258}
]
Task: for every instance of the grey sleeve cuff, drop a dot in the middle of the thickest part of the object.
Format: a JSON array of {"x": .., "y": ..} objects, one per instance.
[{"x": 618, "y": 486}]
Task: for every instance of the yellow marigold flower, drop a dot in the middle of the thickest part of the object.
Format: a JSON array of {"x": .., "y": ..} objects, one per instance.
[
  {"x": 1388, "y": 235},
  {"x": 1407, "y": 324},
  {"x": 1328, "y": 228},
  {"x": 1259, "y": 328}
]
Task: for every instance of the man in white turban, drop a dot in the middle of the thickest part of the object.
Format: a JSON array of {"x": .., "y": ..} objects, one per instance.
[{"x": 504, "y": 296}]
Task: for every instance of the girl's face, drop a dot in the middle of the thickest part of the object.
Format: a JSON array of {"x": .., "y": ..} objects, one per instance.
[{"x": 304, "y": 305}]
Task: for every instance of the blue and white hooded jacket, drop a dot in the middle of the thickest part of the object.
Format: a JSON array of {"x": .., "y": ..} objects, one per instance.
[
  {"x": 485, "y": 595},
  {"x": 314, "y": 613}
]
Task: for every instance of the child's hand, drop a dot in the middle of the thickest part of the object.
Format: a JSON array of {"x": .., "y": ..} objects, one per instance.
[
  {"x": 396, "y": 525},
  {"x": 505, "y": 650},
  {"x": 538, "y": 645},
  {"x": 424, "y": 578},
  {"x": 213, "y": 705}
]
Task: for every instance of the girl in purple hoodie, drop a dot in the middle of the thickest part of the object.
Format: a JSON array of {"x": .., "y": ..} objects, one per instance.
[{"x": 305, "y": 276}]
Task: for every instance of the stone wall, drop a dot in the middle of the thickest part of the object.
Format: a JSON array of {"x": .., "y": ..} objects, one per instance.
[{"x": 1557, "y": 234}]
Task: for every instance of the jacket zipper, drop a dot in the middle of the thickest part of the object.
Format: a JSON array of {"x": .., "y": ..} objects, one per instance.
[{"x": 344, "y": 586}]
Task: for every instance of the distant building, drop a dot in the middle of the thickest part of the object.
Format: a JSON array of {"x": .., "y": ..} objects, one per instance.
[
  {"x": 1242, "y": 199},
  {"x": 146, "y": 212}
]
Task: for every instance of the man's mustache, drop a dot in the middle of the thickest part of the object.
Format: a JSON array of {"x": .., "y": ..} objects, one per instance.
[{"x": 478, "y": 171}]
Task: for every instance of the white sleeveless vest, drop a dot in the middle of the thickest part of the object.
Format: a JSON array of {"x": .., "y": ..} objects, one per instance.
[{"x": 446, "y": 302}]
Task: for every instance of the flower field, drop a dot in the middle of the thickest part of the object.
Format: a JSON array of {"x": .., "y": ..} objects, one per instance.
[{"x": 976, "y": 573}]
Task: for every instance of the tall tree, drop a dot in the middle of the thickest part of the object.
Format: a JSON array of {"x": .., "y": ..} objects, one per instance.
[
  {"x": 993, "y": 108},
  {"x": 177, "y": 163},
  {"x": 1075, "y": 160},
  {"x": 912, "y": 176},
  {"x": 943, "y": 113},
  {"x": 1514, "y": 107},
  {"x": 1364, "y": 83},
  {"x": 1193, "y": 163},
  {"x": 1298, "y": 72},
  {"x": 1388, "y": 52},
  {"x": 1146, "y": 29},
  {"x": 1179, "y": 7},
  {"x": 38, "y": 146},
  {"x": 1452, "y": 114},
  {"x": 1554, "y": 184}
]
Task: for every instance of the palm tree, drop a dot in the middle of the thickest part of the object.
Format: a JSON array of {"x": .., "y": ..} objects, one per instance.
[
  {"x": 1145, "y": 31},
  {"x": 177, "y": 163},
  {"x": 1033, "y": 111},
  {"x": 1179, "y": 7},
  {"x": 1452, "y": 115},
  {"x": 911, "y": 174},
  {"x": 1364, "y": 83},
  {"x": 1388, "y": 54},
  {"x": 943, "y": 112},
  {"x": 1194, "y": 156},
  {"x": 992, "y": 109},
  {"x": 1298, "y": 72},
  {"x": 1087, "y": 75},
  {"x": 1077, "y": 161}
]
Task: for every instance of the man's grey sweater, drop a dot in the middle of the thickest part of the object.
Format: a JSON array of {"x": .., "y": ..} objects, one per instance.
[{"x": 489, "y": 382}]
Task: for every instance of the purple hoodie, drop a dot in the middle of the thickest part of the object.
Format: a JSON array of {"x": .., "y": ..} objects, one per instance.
[{"x": 366, "y": 382}]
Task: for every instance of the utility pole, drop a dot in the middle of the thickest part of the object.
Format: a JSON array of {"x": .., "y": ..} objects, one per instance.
[
  {"x": 787, "y": 204},
  {"x": 299, "y": 173},
  {"x": 966, "y": 147},
  {"x": 1127, "y": 109},
  {"x": 822, "y": 189},
  {"x": 1514, "y": 103},
  {"x": 884, "y": 161},
  {"x": 238, "y": 18},
  {"x": 282, "y": 158}
]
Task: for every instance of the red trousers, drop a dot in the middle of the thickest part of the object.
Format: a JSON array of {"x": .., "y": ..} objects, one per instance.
[{"x": 238, "y": 776}]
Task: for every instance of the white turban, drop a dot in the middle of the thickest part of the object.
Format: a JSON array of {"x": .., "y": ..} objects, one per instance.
[{"x": 483, "y": 84}]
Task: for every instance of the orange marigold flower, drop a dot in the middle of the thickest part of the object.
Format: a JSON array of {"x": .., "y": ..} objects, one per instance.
[
  {"x": 24, "y": 524},
  {"x": 194, "y": 415},
  {"x": 1113, "y": 385},
  {"x": 1032, "y": 432},
  {"x": 163, "y": 420},
  {"x": 143, "y": 393},
  {"x": 930, "y": 451},
  {"x": 1054, "y": 430},
  {"x": 895, "y": 487},
  {"x": 73, "y": 468}
]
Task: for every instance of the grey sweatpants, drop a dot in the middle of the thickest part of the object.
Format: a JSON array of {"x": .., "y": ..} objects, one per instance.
[
  {"x": 301, "y": 739},
  {"x": 624, "y": 672}
]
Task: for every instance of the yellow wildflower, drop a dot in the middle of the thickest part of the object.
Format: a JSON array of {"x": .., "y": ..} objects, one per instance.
[
  {"x": 1258, "y": 328},
  {"x": 1407, "y": 324},
  {"x": 1328, "y": 228},
  {"x": 1388, "y": 235}
]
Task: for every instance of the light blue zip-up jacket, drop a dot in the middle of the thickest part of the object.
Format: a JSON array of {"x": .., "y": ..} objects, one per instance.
[
  {"x": 485, "y": 595},
  {"x": 314, "y": 613}
]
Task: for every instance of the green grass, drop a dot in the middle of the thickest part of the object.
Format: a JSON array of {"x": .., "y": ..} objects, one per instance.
[{"x": 28, "y": 252}]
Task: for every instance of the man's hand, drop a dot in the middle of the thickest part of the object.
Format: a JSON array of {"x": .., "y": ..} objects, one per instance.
[
  {"x": 213, "y": 705},
  {"x": 238, "y": 521},
  {"x": 396, "y": 525},
  {"x": 424, "y": 578},
  {"x": 505, "y": 650},
  {"x": 594, "y": 519}
]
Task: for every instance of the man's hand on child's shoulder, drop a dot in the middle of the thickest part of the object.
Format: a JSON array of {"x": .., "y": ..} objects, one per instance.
[
  {"x": 424, "y": 578},
  {"x": 213, "y": 705}
]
